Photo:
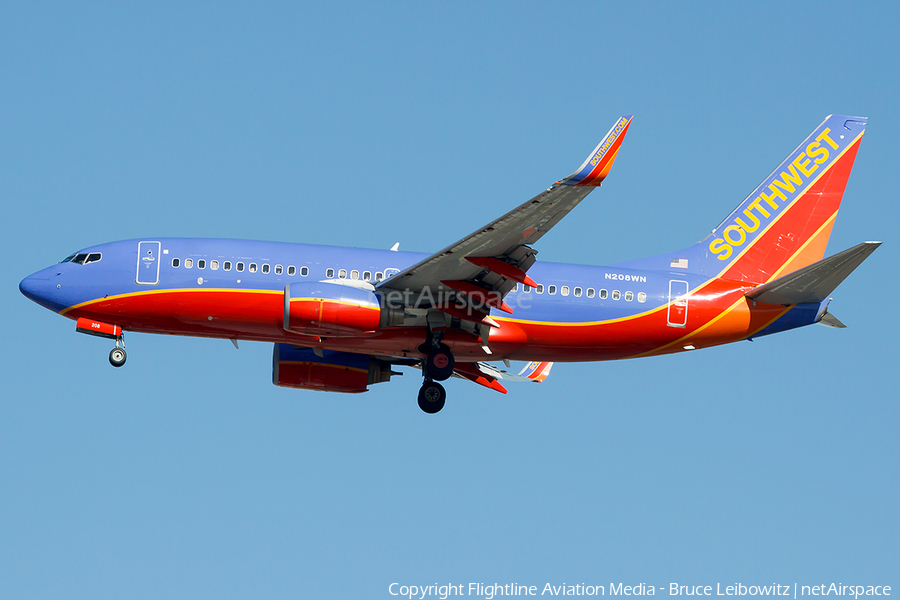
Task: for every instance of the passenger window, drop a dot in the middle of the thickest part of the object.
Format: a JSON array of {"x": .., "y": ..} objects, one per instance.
[
  {"x": 367, "y": 275},
  {"x": 214, "y": 265},
  {"x": 526, "y": 288},
  {"x": 629, "y": 296},
  {"x": 291, "y": 270},
  {"x": 329, "y": 274},
  {"x": 564, "y": 290},
  {"x": 265, "y": 268},
  {"x": 642, "y": 297},
  {"x": 590, "y": 292},
  {"x": 342, "y": 274},
  {"x": 304, "y": 271},
  {"x": 603, "y": 294},
  {"x": 279, "y": 269},
  {"x": 176, "y": 262},
  {"x": 540, "y": 288},
  {"x": 551, "y": 290},
  {"x": 378, "y": 276},
  {"x": 92, "y": 257},
  {"x": 188, "y": 263},
  {"x": 616, "y": 295},
  {"x": 201, "y": 264},
  {"x": 252, "y": 268},
  {"x": 515, "y": 287},
  {"x": 354, "y": 274},
  {"x": 578, "y": 292},
  {"x": 227, "y": 265},
  {"x": 240, "y": 266}
]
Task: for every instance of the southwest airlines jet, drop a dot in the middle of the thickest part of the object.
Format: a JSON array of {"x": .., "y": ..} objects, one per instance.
[{"x": 342, "y": 319}]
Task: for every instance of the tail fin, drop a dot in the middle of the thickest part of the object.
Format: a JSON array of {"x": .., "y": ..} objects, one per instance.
[{"x": 784, "y": 225}]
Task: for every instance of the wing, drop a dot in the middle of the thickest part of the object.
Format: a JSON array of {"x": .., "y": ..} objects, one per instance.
[
  {"x": 488, "y": 375},
  {"x": 495, "y": 257}
]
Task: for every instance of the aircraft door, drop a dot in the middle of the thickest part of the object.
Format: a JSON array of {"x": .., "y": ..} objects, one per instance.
[
  {"x": 678, "y": 303},
  {"x": 148, "y": 263}
]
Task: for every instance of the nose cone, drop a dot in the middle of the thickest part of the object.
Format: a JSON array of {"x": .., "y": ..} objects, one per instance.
[
  {"x": 35, "y": 287},
  {"x": 40, "y": 289}
]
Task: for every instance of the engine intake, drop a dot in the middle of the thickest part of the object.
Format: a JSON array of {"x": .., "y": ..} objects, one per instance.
[{"x": 334, "y": 371}]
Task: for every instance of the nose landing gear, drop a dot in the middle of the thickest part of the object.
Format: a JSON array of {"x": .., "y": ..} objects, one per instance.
[
  {"x": 117, "y": 357},
  {"x": 105, "y": 330}
]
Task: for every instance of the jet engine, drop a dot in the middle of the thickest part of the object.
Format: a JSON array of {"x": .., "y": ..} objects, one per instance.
[
  {"x": 330, "y": 309},
  {"x": 327, "y": 370}
]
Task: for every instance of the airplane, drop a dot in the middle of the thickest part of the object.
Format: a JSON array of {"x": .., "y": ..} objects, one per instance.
[{"x": 341, "y": 319}]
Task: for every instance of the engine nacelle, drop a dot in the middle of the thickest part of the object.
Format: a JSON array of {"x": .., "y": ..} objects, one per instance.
[
  {"x": 332, "y": 310},
  {"x": 332, "y": 372}
]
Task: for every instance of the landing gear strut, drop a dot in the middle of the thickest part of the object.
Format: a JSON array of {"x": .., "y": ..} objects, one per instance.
[
  {"x": 438, "y": 366},
  {"x": 117, "y": 355}
]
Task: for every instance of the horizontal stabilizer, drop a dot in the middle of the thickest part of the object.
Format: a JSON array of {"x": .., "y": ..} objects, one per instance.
[{"x": 815, "y": 282}]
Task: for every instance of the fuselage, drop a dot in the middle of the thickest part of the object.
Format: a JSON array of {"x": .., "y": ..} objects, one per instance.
[
  {"x": 234, "y": 289},
  {"x": 340, "y": 319}
]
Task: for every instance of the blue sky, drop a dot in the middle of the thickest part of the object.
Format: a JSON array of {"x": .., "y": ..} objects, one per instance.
[{"x": 187, "y": 474}]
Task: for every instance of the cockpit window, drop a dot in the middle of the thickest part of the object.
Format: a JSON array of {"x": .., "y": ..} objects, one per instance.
[{"x": 82, "y": 258}]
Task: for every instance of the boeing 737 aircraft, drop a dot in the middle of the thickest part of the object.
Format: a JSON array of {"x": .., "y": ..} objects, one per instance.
[{"x": 342, "y": 319}]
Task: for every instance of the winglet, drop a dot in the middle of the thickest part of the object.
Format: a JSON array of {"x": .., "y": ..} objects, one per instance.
[
  {"x": 597, "y": 166},
  {"x": 536, "y": 371}
]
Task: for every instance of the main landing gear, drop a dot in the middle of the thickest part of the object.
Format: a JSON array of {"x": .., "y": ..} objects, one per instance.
[
  {"x": 117, "y": 355},
  {"x": 432, "y": 396},
  {"x": 438, "y": 366}
]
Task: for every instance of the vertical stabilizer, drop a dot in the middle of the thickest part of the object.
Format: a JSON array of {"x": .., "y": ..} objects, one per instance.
[{"x": 785, "y": 223}]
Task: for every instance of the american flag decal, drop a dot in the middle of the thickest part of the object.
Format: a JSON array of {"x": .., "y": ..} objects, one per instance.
[{"x": 679, "y": 263}]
